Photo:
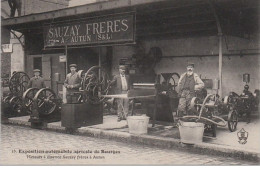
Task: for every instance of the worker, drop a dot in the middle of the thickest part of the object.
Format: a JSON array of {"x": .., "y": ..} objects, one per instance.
[
  {"x": 122, "y": 86},
  {"x": 37, "y": 81},
  {"x": 15, "y": 5},
  {"x": 189, "y": 82},
  {"x": 248, "y": 102},
  {"x": 72, "y": 84}
]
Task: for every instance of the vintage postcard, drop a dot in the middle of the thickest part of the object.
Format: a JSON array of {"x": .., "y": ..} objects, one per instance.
[{"x": 130, "y": 82}]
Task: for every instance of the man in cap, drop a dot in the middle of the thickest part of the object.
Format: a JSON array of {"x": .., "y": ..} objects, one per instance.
[
  {"x": 37, "y": 81},
  {"x": 72, "y": 82},
  {"x": 122, "y": 86},
  {"x": 189, "y": 82}
]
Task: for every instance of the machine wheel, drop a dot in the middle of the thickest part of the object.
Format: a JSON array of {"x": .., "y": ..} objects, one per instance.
[
  {"x": 18, "y": 83},
  {"x": 81, "y": 74},
  {"x": 173, "y": 81},
  {"x": 27, "y": 98},
  {"x": 232, "y": 120},
  {"x": 6, "y": 99},
  {"x": 227, "y": 100},
  {"x": 46, "y": 101},
  {"x": 92, "y": 84},
  {"x": 195, "y": 104},
  {"x": 16, "y": 104}
]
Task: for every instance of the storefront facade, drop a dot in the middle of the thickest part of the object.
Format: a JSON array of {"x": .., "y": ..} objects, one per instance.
[{"x": 182, "y": 32}]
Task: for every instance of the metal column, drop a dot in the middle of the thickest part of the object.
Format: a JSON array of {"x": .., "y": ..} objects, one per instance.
[{"x": 220, "y": 46}]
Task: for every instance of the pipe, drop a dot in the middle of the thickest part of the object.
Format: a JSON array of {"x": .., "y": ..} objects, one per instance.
[
  {"x": 220, "y": 34},
  {"x": 66, "y": 63}
]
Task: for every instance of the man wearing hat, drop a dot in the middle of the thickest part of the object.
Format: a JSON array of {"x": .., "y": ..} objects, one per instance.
[
  {"x": 72, "y": 82},
  {"x": 37, "y": 81},
  {"x": 122, "y": 86},
  {"x": 189, "y": 82}
]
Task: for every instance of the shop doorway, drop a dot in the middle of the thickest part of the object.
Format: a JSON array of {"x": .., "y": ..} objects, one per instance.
[{"x": 83, "y": 57}]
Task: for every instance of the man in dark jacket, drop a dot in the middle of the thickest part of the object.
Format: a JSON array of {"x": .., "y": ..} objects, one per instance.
[
  {"x": 189, "y": 82},
  {"x": 72, "y": 83},
  {"x": 122, "y": 83},
  {"x": 37, "y": 81}
]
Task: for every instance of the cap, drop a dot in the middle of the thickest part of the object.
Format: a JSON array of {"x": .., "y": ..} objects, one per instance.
[
  {"x": 73, "y": 65},
  {"x": 190, "y": 64},
  {"x": 122, "y": 67},
  {"x": 36, "y": 70},
  {"x": 246, "y": 87}
]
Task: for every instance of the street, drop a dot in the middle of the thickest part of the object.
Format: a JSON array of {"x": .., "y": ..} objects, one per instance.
[{"x": 26, "y": 146}]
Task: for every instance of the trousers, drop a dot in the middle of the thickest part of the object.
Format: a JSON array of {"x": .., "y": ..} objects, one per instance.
[
  {"x": 184, "y": 102},
  {"x": 124, "y": 107}
]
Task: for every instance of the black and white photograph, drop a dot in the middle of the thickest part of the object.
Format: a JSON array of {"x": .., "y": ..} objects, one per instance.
[{"x": 130, "y": 83}]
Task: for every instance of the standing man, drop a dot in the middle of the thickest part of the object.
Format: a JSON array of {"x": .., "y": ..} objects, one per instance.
[
  {"x": 37, "y": 81},
  {"x": 15, "y": 5},
  {"x": 72, "y": 83},
  {"x": 189, "y": 82},
  {"x": 122, "y": 86}
]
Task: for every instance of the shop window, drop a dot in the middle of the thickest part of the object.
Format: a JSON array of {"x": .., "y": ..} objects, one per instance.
[{"x": 37, "y": 63}]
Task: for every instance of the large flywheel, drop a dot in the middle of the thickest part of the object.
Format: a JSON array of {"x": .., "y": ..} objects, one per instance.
[
  {"x": 27, "y": 98},
  {"x": 46, "y": 101},
  {"x": 95, "y": 84},
  {"x": 18, "y": 83},
  {"x": 173, "y": 80}
]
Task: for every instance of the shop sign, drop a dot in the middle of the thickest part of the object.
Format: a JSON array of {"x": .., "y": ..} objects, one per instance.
[
  {"x": 96, "y": 31},
  {"x": 62, "y": 58},
  {"x": 7, "y": 48}
]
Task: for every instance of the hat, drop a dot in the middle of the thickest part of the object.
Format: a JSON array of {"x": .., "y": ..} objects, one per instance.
[
  {"x": 73, "y": 65},
  {"x": 190, "y": 64},
  {"x": 36, "y": 70},
  {"x": 122, "y": 67}
]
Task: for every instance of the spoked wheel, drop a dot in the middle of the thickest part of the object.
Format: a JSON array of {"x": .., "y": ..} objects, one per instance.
[
  {"x": 46, "y": 101},
  {"x": 173, "y": 81},
  {"x": 92, "y": 84},
  {"x": 27, "y": 98},
  {"x": 232, "y": 120},
  {"x": 16, "y": 104},
  {"x": 18, "y": 83},
  {"x": 6, "y": 99},
  {"x": 195, "y": 104}
]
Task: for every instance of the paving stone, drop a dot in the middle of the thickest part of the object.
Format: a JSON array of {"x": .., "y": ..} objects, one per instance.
[{"x": 16, "y": 137}]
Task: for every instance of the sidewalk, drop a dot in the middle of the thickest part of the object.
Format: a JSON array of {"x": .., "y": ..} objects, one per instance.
[{"x": 165, "y": 136}]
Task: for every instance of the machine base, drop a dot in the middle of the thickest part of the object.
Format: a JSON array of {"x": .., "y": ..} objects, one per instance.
[{"x": 78, "y": 115}]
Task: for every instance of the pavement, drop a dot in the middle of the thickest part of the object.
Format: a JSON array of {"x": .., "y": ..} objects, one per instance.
[
  {"x": 163, "y": 135},
  {"x": 27, "y": 146}
]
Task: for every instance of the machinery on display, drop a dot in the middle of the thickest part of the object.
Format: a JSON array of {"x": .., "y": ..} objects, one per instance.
[
  {"x": 45, "y": 105},
  {"x": 22, "y": 101},
  {"x": 164, "y": 100},
  {"x": 213, "y": 111},
  {"x": 208, "y": 109},
  {"x": 88, "y": 110},
  {"x": 14, "y": 103},
  {"x": 241, "y": 106}
]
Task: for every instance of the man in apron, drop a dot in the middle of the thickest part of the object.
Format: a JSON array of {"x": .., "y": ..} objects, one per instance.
[{"x": 189, "y": 82}]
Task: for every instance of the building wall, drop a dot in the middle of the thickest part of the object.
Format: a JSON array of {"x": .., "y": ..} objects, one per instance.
[
  {"x": 34, "y": 6},
  {"x": 15, "y": 61},
  {"x": 190, "y": 49},
  {"x": 17, "y": 57},
  {"x": 5, "y": 57}
]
